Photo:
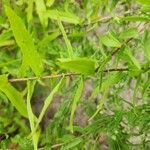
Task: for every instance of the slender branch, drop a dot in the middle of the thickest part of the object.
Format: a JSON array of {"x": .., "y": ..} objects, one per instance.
[
  {"x": 42, "y": 78},
  {"x": 66, "y": 75},
  {"x": 60, "y": 75}
]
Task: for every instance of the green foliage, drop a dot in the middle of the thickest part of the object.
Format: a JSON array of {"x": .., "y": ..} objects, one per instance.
[
  {"x": 78, "y": 65},
  {"x": 74, "y": 74},
  {"x": 24, "y": 40},
  {"x": 13, "y": 95},
  {"x": 75, "y": 103}
]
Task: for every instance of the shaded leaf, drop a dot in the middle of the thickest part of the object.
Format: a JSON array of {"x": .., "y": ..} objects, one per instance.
[
  {"x": 109, "y": 82},
  {"x": 47, "y": 102}
]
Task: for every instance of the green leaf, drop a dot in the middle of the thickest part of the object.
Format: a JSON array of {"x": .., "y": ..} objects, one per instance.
[
  {"x": 69, "y": 47},
  {"x": 129, "y": 33},
  {"x": 145, "y": 9},
  {"x": 75, "y": 102},
  {"x": 110, "y": 41},
  {"x": 72, "y": 144},
  {"x": 35, "y": 136},
  {"x": 79, "y": 65},
  {"x": 41, "y": 9},
  {"x": 63, "y": 16},
  {"x": 48, "y": 38},
  {"x": 30, "y": 10},
  {"x": 24, "y": 40},
  {"x": 5, "y": 39},
  {"x": 136, "y": 18},
  {"x": 146, "y": 43},
  {"x": 144, "y": 2},
  {"x": 15, "y": 97},
  {"x": 134, "y": 65},
  {"x": 49, "y": 3},
  {"x": 47, "y": 102},
  {"x": 109, "y": 82}
]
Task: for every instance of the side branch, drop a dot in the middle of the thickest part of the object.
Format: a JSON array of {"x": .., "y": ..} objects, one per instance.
[{"x": 60, "y": 75}]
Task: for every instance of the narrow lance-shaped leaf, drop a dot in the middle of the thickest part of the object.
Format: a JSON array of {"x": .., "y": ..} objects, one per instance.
[
  {"x": 144, "y": 2},
  {"x": 133, "y": 64},
  {"x": 30, "y": 86},
  {"x": 49, "y": 3},
  {"x": 41, "y": 9},
  {"x": 24, "y": 40},
  {"x": 136, "y": 18},
  {"x": 72, "y": 144},
  {"x": 63, "y": 16},
  {"x": 47, "y": 102},
  {"x": 109, "y": 82},
  {"x": 15, "y": 97},
  {"x": 147, "y": 45},
  {"x": 129, "y": 33},
  {"x": 75, "y": 103},
  {"x": 30, "y": 10},
  {"x": 110, "y": 41},
  {"x": 68, "y": 44},
  {"x": 79, "y": 65}
]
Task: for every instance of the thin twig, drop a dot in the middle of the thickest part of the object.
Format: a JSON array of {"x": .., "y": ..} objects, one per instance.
[
  {"x": 42, "y": 78},
  {"x": 60, "y": 75},
  {"x": 66, "y": 75}
]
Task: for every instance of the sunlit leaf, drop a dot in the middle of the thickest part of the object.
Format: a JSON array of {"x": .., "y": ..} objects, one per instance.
[
  {"x": 147, "y": 45},
  {"x": 144, "y": 2},
  {"x": 129, "y": 33},
  {"x": 49, "y": 3},
  {"x": 25, "y": 42},
  {"x": 63, "y": 16},
  {"x": 79, "y": 65},
  {"x": 134, "y": 65},
  {"x": 15, "y": 97},
  {"x": 30, "y": 10},
  {"x": 68, "y": 44},
  {"x": 41, "y": 9},
  {"x": 110, "y": 41},
  {"x": 136, "y": 18}
]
